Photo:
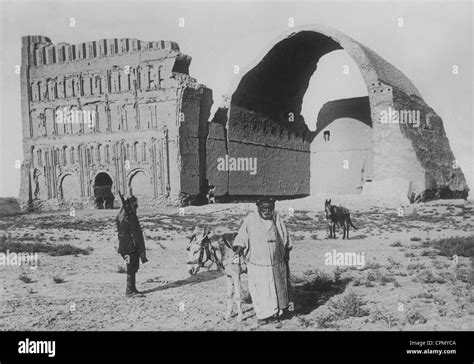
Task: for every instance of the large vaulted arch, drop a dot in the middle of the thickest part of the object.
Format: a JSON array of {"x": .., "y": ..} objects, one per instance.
[{"x": 262, "y": 120}]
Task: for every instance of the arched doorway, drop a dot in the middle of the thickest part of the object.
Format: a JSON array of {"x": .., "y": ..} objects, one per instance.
[
  {"x": 69, "y": 187},
  {"x": 103, "y": 196},
  {"x": 139, "y": 184}
]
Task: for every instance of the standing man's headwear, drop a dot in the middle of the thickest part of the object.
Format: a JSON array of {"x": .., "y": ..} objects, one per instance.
[
  {"x": 265, "y": 200},
  {"x": 266, "y": 207},
  {"x": 127, "y": 204},
  {"x": 131, "y": 199}
]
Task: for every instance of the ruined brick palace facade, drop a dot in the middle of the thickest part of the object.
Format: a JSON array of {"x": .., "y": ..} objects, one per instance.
[
  {"x": 152, "y": 135},
  {"x": 132, "y": 119}
]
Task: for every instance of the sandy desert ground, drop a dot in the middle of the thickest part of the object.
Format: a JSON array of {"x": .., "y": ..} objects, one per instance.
[{"x": 410, "y": 280}]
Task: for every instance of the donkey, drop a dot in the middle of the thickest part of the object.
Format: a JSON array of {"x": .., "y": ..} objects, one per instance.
[
  {"x": 218, "y": 249},
  {"x": 337, "y": 215}
]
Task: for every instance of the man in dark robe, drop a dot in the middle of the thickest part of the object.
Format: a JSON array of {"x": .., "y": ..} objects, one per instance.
[{"x": 131, "y": 242}]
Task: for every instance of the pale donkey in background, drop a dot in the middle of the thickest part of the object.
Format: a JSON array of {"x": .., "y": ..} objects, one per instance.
[{"x": 218, "y": 249}]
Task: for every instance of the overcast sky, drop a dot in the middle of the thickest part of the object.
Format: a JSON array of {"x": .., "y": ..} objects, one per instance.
[{"x": 434, "y": 37}]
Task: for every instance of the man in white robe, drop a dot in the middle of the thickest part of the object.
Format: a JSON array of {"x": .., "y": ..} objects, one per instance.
[{"x": 265, "y": 243}]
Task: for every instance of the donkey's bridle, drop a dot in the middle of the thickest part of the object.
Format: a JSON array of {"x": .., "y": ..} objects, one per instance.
[
  {"x": 212, "y": 256},
  {"x": 201, "y": 251}
]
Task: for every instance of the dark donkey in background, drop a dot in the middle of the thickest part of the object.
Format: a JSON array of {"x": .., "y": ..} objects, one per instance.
[
  {"x": 218, "y": 249},
  {"x": 337, "y": 215}
]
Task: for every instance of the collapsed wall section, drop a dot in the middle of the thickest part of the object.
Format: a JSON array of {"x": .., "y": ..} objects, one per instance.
[
  {"x": 193, "y": 130},
  {"x": 442, "y": 176}
]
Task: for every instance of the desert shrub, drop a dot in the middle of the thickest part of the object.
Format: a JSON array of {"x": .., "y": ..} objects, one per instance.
[
  {"x": 463, "y": 274},
  {"x": 393, "y": 263},
  {"x": 58, "y": 279},
  {"x": 396, "y": 283},
  {"x": 317, "y": 280},
  {"x": 386, "y": 278},
  {"x": 372, "y": 265},
  {"x": 373, "y": 276},
  {"x": 428, "y": 253},
  {"x": 443, "y": 311},
  {"x": 425, "y": 295},
  {"x": 302, "y": 217},
  {"x": 326, "y": 320},
  {"x": 413, "y": 266},
  {"x": 294, "y": 279},
  {"x": 415, "y": 318},
  {"x": 427, "y": 276},
  {"x": 387, "y": 317},
  {"x": 461, "y": 298},
  {"x": 458, "y": 245},
  {"x": 378, "y": 276},
  {"x": 305, "y": 322},
  {"x": 349, "y": 305},
  {"x": 53, "y": 250},
  {"x": 25, "y": 278},
  {"x": 67, "y": 249}
]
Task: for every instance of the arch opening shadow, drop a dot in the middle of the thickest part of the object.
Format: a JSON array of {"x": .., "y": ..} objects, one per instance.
[
  {"x": 103, "y": 196},
  {"x": 266, "y": 108}
]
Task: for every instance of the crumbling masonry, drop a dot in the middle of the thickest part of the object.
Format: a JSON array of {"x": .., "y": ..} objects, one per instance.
[
  {"x": 143, "y": 130},
  {"x": 262, "y": 119},
  {"x": 150, "y": 133}
]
